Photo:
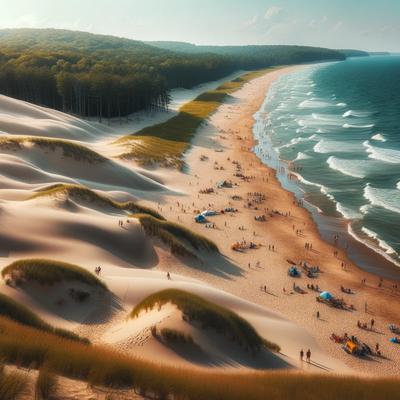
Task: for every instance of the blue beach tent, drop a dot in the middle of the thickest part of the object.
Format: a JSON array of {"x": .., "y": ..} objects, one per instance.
[
  {"x": 326, "y": 296},
  {"x": 200, "y": 218}
]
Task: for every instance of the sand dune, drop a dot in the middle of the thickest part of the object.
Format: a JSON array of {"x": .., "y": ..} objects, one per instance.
[{"x": 18, "y": 117}]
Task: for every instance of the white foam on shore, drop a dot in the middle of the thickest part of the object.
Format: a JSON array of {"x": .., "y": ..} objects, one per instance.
[
  {"x": 386, "y": 198},
  {"x": 388, "y": 249},
  {"x": 347, "y": 212},
  {"x": 376, "y": 249},
  {"x": 312, "y": 103},
  {"x": 382, "y": 154}
]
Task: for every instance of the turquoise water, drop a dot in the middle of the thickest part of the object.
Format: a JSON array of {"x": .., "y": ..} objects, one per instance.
[{"x": 337, "y": 126}]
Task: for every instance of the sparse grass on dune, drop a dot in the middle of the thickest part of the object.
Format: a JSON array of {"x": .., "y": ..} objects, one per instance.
[
  {"x": 70, "y": 149},
  {"x": 175, "y": 336},
  {"x": 83, "y": 193},
  {"x": 12, "y": 385},
  {"x": 175, "y": 235},
  {"x": 208, "y": 315},
  {"x": 165, "y": 143},
  {"x": 18, "y": 312},
  {"x": 102, "y": 366},
  {"x": 49, "y": 272}
]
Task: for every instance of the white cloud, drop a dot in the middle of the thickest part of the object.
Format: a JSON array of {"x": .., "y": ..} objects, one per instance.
[
  {"x": 272, "y": 12},
  {"x": 337, "y": 26},
  {"x": 250, "y": 23}
]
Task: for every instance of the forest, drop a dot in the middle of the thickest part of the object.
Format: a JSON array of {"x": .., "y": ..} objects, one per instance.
[{"x": 106, "y": 76}]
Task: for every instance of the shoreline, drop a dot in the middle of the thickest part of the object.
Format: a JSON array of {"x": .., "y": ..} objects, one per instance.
[
  {"x": 364, "y": 255},
  {"x": 230, "y": 131}
]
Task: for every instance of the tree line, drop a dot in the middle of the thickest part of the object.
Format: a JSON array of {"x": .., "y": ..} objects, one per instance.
[{"x": 106, "y": 76}]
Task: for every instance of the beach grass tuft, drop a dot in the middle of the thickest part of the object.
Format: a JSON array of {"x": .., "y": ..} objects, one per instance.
[
  {"x": 176, "y": 236},
  {"x": 209, "y": 315},
  {"x": 9, "y": 308},
  {"x": 165, "y": 143},
  {"x": 69, "y": 149},
  {"x": 49, "y": 272},
  {"x": 83, "y": 193}
]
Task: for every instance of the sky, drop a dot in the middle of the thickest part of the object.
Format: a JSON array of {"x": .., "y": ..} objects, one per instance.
[{"x": 372, "y": 25}]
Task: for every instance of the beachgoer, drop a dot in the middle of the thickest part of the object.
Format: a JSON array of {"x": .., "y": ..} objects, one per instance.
[
  {"x": 301, "y": 355},
  {"x": 168, "y": 276},
  {"x": 318, "y": 314},
  {"x": 308, "y": 355}
]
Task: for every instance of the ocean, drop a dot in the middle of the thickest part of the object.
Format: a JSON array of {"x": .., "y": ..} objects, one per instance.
[{"x": 336, "y": 126}]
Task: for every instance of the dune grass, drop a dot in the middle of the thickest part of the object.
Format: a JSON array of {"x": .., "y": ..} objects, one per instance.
[
  {"x": 175, "y": 336},
  {"x": 102, "y": 366},
  {"x": 70, "y": 149},
  {"x": 46, "y": 384},
  {"x": 12, "y": 385},
  {"x": 49, "y": 272},
  {"x": 165, "y": 143},
  {"x": 18, "y": 312},
  {"x": 208, "y": 315},
  {"x": 176, "y": 236},
  {"x": 83, "y": 193}
]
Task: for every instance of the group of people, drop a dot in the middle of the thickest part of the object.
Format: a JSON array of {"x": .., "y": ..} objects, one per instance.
[{"x": 308, "y": 355}]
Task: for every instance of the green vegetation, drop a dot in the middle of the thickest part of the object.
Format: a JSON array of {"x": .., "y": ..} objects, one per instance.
[
  {"x": 49, "y": 272},
  {"x": 175, "y": 336},
  {"x": 101, "y": 366},
  {"x": 46, "y": 384},
  {"x": 208, "y": 315},
  {"x": 21, "y": 314},
  {"x": 256, "y": 56},
  {"x": 175, "y": 235},
  {"x": 69, "y": 149},
  {"x": 106, "y": 76},
  {"x": 82, "y": 193},
  {"x": 12, "y": 385},
  {"x": 166, "y": 143}
]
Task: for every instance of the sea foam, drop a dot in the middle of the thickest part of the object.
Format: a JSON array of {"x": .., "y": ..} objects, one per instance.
[
  {"x": 382, "y": 154},
  {"x": 386, "y": 198}
]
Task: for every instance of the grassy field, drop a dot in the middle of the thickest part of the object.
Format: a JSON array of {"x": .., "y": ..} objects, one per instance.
[
  {"x": 165, "y": 143},
  {"x": 83, "y": 193},
  {"x": 101, "y": 366},
  {"x": 49, "y": 272},
  {"x": 208, "y": 315},
  {"x": 176, "y": 236},
  {"x": 70, "y": 149}
]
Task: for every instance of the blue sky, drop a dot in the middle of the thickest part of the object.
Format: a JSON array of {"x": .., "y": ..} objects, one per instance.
[{"x": 362, "y": 24}]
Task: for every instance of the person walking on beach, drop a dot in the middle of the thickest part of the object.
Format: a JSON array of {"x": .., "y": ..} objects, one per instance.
[
  {"x": 317, "y": 314},
  {"x": 372, "y": 323},
  {"x": 301, "y": 355},
  {"x": 308, "y": 355}
]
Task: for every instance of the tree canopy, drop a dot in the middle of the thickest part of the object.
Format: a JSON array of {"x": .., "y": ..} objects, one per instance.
[{"x": 107, "y": 76}]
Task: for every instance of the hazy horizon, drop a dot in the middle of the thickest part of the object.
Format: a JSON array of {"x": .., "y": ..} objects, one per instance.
[{"x": 342, "y": 24}]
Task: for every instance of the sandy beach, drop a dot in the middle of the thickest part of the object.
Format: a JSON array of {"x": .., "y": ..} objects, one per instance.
[{"x": 227, "y": 138}]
